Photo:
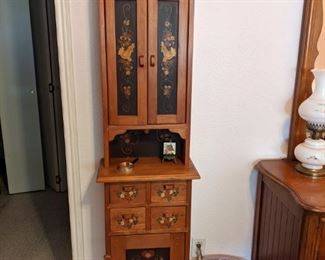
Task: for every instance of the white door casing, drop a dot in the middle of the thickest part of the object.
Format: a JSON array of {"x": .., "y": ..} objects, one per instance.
[{"x": 68, "y": 88}]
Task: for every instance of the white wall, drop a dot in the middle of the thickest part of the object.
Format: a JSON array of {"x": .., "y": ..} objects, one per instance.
[{"x": 244, "y": 69}]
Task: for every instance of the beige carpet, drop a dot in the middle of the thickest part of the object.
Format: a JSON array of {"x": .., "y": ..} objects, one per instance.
[{"x": 34, "y": 226}]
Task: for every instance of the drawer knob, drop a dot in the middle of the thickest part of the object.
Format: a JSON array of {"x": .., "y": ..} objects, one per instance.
[
  {"x": 168, "y": 192},
  {"x": 127, "y": 221},
  {"x": 167, "y": 220},
  {"x": 128, "y": 193}
]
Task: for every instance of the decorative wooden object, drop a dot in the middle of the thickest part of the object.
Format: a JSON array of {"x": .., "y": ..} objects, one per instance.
[
  {"x": 290, "y": 208},
  {"x": 146, "y": 66},
  {"x": 290, "y": 213}
]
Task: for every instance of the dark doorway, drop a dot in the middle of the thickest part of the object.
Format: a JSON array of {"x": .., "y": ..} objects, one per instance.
[{"x": 43, "y": 26}]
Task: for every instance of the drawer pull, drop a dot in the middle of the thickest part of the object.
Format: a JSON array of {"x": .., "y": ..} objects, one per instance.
[
  {"x": 167, "y": 220},
  {"x": 127, "y": 221},
  {"x": 128, "y": 193},
  {"x": 168, "y": 192}
]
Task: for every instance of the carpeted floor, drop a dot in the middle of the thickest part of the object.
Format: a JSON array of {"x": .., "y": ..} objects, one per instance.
[{"x": 34, "y": 226}]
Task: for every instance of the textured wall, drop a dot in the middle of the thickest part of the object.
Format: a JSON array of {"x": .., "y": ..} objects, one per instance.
[{"x": 244, "y": 69}]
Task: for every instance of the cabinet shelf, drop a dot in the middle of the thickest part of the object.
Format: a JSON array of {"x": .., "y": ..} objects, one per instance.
[{"x": 148, "y": 169}]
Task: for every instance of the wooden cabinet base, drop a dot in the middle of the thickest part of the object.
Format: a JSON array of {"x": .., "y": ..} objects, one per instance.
[
  {"x": 290, "y": 214},
  {"x": 147, "y": 219}
]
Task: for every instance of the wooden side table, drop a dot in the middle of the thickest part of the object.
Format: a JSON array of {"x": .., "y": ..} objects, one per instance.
[{"x": 289, "y": 214}]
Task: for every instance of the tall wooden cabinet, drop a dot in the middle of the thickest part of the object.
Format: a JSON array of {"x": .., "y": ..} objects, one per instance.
[{"x": 146, "y": 66}]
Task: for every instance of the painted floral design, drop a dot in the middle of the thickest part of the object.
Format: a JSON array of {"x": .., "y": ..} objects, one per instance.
[
  {"x": 127, "y": 91},
  {"x": 126, "y": 44},
  {"x": 128, "y": 142},
  {"x": 127, "y": 222},
  {"x": 167, "y": 90},
  {"x": 168, "y": 194},
  {"x": 167, "y": 47},
  {"x": 125, "y": 52},
  {"x": 128, "y": 194},
  {"x": 167, "y": 221}
]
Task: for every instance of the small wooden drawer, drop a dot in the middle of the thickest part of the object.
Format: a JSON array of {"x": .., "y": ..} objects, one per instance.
[
  {"x": 126, "y": 194},
  {"x": 168, "y": 218},
  {"x": 128, "y": 220},
  {"x": 168, "y": 192}
]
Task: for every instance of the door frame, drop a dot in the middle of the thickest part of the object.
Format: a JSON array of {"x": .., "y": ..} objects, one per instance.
[{"x": 65, "y": 53}]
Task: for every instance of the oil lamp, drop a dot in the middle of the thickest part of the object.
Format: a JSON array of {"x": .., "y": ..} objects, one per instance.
[{"x": 311, "y": 153}]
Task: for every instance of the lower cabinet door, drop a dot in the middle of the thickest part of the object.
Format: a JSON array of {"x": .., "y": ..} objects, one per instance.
[{"x": 165, "y": 246}]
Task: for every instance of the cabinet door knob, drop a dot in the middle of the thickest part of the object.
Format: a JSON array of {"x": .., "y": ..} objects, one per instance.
[
  {"x": 152, "y": 60},
  {"x": 141, "y": 61}
]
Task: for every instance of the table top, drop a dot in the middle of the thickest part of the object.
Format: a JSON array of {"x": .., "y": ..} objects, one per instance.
[{"x": 308, "y": 192}]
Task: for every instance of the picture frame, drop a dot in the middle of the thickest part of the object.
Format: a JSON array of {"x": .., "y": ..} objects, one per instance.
[{"x": 169, "y": 151}]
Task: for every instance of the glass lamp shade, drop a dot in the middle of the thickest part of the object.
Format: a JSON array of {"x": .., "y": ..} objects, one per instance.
[
  {"x": 311, "y": 153},
  {"x": 312, "y": 109}
]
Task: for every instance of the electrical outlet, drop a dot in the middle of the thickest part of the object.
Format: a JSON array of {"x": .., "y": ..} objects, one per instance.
[{"x": 194, "y": 250}]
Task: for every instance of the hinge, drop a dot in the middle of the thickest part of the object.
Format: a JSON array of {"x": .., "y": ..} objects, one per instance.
[
  {"x": 51, "y": 87},
  {"x": 58, "y": 179}
]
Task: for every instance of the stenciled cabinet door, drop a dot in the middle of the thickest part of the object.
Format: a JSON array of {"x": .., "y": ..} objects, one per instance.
[
  {"x": 146, "y": 61},
  {"x": 167, "y": 59},
  {"x": 126, "y": 36}
]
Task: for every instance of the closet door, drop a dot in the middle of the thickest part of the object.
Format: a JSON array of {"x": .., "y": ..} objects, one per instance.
[
  {"x": 19, "y": 112},
  {"x": 127, "y": 61},
  {"x": 167, "y": 58}
]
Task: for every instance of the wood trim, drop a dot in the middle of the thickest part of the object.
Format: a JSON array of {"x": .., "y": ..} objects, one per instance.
[
  {"x": 111, "y": 61},
  {"x": 310, "y": 31},
  {"x": 257, "y": 217},
  {"x": 190, "y": 59},
  {"x": 142, "y": 48},
  {"x": 68, "y": 91},
  {"x": 102, "y": 26},
  {"x": 152, "y": 51},
  {"x": 182, "y": 61},
  {"x": 310, "y": 237},
  {"x": 188, "y": 224}
]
